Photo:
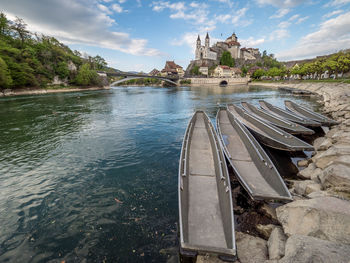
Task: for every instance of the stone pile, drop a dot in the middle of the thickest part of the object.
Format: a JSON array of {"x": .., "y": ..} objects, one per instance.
[{"x": 315, "y": 227}]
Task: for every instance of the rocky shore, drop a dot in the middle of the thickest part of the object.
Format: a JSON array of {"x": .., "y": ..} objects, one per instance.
[
  {"x": 315, "y": 227},
  {"x": 19, "y": 92}
]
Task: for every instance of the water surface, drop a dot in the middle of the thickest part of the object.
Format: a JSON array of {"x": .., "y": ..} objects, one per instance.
[{"x": 93, "y": 175}]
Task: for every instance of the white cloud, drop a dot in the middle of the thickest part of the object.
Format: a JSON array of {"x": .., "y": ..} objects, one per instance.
[
  {"x": 335, "y": 12},
  {"x": 282, "y": 3},
  {"x": 284, "y": 24},
  {"x": 78, "y": 22},
  {"x": 293, "y": 17},
  {"x": 228, "y": 2},
  {"x": 195, "y": 13},
  {"x": 280, "y": 13},
  {"x": 337, "y": 3},
  {"x": 251, "y": 42},
  {"x": 236, "y": 18},
  {"x": 117, "y": 8},
  {"x": 333, "y": 35},
  {"x": 104, "y": 8},
  {"x": 122, "y": 1},
  {"x": 278, "y": 34},
  {"x": 301, "y": 19}
]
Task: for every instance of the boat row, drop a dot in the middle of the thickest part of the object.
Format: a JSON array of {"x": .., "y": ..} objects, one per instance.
[{"x": 205, "y": 202}]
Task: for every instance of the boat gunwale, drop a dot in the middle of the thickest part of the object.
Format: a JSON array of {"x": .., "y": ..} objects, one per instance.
[
  {"x": 231, "y": 252},
  {"x": 324, "y": 120},
  {"x": 303, "y": 120},
  {"x": 264, "y": 158},
  {"x": 289, "y": 126},
  {"x": 287, "y": 146}
]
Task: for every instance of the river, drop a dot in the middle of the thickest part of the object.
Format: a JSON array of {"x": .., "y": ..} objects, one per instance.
[{"x": 93, "y": 175}]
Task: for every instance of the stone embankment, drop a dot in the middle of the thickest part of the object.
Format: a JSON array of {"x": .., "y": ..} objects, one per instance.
[
  {"x": 315, "y": 227},
  {"x": 19, "y": 92}
]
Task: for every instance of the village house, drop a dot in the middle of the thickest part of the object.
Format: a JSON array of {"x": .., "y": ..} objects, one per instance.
[
  {"x": 171, "y": 68},
  {"x": 204, "y": 70},
  {"x": 154, "y": 72},
  {"x": 223, "y": 71}
]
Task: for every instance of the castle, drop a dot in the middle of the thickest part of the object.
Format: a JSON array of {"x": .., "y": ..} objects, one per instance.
[{"x": 231, "y": 44}]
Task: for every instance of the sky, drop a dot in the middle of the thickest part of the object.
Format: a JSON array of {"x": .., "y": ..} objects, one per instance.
[{"x": 139, "y": 35}]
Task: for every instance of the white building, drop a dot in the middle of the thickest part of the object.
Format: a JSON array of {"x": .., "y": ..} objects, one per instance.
[{"x": 204, "y": 52}]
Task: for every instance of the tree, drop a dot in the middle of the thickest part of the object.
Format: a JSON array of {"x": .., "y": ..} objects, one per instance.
[
  {"x": 195, "y": 70},
  {"x": 98, "y": 62},
  {"x": 86, "y": 76},
  {"x": 19, "y": 26},
  {"x": 5, "y": 77},
  {"x": 258, "y": 73},
  {"x": 4, "y": 25},
  {"x": 62, "y": 70},
  {"x": 226, "y": 59},
  {"x": 244, "y": 71}
]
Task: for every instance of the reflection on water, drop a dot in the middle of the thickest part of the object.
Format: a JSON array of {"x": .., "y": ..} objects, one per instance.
[{"x": 93, "y": 175}]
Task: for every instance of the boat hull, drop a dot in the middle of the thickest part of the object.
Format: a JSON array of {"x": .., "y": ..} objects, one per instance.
[
  {"x": 205, "y": 202},
  {"x": 252, "y": 166}
]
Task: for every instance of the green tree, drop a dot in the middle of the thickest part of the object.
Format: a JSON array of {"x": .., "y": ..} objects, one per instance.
[
  {"x": 258, "y": 73},
  {"x": 226, "y": 59},
  {"x": 20, "y": 27},
  {"x": 62, "y": 70},
  {"x": 86, "y": 76},
  {"x": 4, "y": 25},
  {"x": 5, "y": 77},
  {"x": 244, "y": 71},
  {"x": 195, "y": 70}
]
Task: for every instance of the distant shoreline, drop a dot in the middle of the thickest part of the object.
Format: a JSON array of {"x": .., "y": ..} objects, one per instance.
[{"x": 33, "y": 91}]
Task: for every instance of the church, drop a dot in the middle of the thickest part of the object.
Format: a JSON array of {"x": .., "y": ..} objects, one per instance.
[
  {"x": 231, "y": 44},
  {"x": 204, "y": 52}
]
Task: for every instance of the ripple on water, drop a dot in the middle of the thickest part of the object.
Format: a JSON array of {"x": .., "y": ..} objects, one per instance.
[{"x": 93, "y": 176}]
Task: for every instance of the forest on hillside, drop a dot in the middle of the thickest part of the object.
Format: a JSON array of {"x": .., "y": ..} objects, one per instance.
[{"x": 32, "y": 60}]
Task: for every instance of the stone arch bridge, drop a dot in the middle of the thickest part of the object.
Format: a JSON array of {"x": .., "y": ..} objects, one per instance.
[{"x": 172, "y": 80}]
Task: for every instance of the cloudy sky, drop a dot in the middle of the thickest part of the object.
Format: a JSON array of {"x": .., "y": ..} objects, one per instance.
[{"x": 142, "y": 35}]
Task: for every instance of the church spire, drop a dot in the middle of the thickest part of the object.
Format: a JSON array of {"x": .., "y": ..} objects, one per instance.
[
  {"x": 198, "y": 38},
  {"x": 207, "y": 41}
]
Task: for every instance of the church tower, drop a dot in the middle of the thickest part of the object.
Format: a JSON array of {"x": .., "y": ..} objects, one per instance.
[
  {"x": 207, "y": 41},
  {"x": 198, "y": 43}
]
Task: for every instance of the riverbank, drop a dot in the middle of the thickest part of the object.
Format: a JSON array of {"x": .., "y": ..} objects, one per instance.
[
  {"x": 315, "y": 226},
  {"x": 29, "y": 91}
]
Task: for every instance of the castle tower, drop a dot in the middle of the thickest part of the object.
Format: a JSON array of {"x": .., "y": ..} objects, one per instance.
[
  {"x": 198, "y": 42},
  {"x": 207, "y": 41}
]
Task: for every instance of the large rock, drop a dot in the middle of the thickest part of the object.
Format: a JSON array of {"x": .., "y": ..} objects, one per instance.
[
  {"x": 336, "y": 174},
  {"x": 322, "y": 143},
  {"x": 307, "y": 172},
  {"x": 250, "y": 249},
  {"x": 325, "y": 217},
  {"x": 276, "y": 243},
  {"x": 305, "y": 187},
  {"x": 301, "y": 249},
  {"x": 323, "y": 159},
  {"x": 265, "y": 230}
]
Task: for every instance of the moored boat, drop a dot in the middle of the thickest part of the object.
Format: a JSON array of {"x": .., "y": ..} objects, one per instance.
[
  {"x": 288, "y": 115},
  {"x": 267, "y": 134},
  {"x": 205, "y": 202},
  {"x": 251, "y": 164},
  {"x": 288, "y": 126},
  {"x": 307, "y": 113}
]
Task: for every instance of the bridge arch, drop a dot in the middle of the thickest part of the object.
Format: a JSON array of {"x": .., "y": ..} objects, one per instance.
[
  {"x": 223, "y": 83},
  {"x": 131, "y": 78}
]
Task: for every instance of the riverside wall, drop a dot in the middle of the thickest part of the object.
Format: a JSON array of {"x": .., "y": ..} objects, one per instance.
[{"x": 217, "y": 81}]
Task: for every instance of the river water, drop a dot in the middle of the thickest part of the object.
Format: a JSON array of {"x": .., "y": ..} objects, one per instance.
[{"x": 92, "y": 176}]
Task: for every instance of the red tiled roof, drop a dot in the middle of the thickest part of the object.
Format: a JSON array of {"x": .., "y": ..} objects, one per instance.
[
  {"x": 233, "y": 43},
  {"x": 224, "y": 67}
]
